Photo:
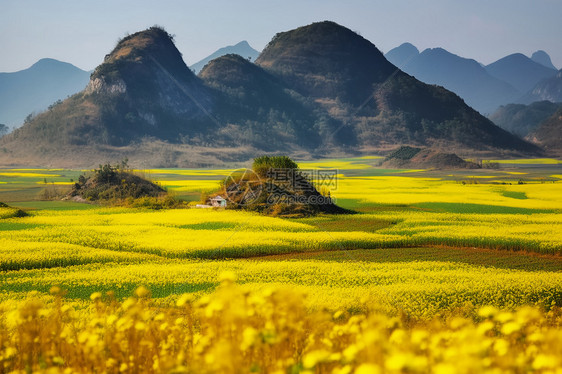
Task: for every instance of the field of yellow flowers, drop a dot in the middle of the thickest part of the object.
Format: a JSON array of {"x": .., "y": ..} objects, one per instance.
[
  {"x": 438, "y": 272},
  {"x": 268, "y": 331}
]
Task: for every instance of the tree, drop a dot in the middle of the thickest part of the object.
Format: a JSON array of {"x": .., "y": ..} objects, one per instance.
[
  {"x": 263, "y": 164},
  {"x": 4, "y": 129}
]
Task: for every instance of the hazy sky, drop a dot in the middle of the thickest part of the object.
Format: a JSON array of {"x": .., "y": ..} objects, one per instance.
[{"x": 82, "y": 32}]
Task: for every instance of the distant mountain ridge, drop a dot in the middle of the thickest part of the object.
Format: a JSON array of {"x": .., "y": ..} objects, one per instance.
[
  {"x": 485, "y": 88},
  {"x": 243, "y": 49},
  {"x": 317, "y": 90},
  {"x": 402, "y": 55},
  {"x": 465, "y": 77},
  {"x": 543, "y": 58},
  {"x": 519, "y": 71},
  {"x": 35, "y": 88}
]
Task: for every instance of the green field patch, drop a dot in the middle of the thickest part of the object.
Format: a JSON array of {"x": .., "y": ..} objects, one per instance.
[
  {"x": 52, "y": 205},
  {"x": 120, "y": 291},
  {"x": 529, "y": 161},
  {"x": 365, "y": 206},
  {"x": 13, "y": 226},
  {"x": 211, "y": 226},
  {"x": 469, "y": 208},
  {"x": 515, "y": 195},
  {"x": 347, "y": 224}
]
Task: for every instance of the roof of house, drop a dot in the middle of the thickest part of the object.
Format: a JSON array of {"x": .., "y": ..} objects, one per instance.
[{"x": 219, "y": 197}]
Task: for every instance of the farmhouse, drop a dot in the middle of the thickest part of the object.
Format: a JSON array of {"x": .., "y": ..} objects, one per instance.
[{"x": 218, "y": 202}]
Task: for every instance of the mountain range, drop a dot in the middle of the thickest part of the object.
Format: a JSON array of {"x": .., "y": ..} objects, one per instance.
[
  {"x": 318, "y": 90},
  {"x": 465, "y": 77},
  {"x": 485, "y": 88},
  {"x": 34, "y": 89}
]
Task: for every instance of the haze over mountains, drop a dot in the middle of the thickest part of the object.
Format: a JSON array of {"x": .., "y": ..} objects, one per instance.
[
  {"x": 35, "y": 88},
  {"x": 520, "y": 71},
  {"x": 465, "y": 77},
  {"x": 549, "y": 133},
  {"x": 522, "y": 119},
  {"x": 485, "y": 88},
  {"x": 317, "y": 90},
  {"x": 548, "y": 89}
]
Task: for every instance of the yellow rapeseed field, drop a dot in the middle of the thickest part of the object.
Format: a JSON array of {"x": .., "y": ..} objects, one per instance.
[
  {"x": 271, "y": 331},
  {"x": 306, "y": 298}
]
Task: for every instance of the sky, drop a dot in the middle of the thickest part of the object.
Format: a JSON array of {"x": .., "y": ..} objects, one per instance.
[{"x": 82, "y": 32}]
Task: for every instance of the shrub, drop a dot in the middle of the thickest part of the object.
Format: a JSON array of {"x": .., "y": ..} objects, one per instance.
[{"x": 262, "y": 164}]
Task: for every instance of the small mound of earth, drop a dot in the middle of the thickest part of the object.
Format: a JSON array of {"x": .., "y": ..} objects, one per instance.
[
  {"x": 294, "y": 197},
  {"x": 426, "y": 158},
  {"x": 114, "y": 185}
]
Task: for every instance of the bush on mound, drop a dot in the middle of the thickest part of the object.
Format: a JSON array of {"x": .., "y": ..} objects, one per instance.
[{"x": 115, "y": 184}]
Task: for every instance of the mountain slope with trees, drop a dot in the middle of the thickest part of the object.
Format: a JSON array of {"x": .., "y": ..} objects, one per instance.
[
  {"x": 258, "y": 108},
  {"x": 349, "y": 77},
  {"x": 549, "y": 134},
  {"x": 522, "y": 119}
]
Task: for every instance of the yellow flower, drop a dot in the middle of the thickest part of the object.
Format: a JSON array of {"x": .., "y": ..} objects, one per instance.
[
  {"x": 313, "y": 358},
  {"x": 368, "y": 369},
  {"x": 142, "y": 292},
  {"x": 543, "y": 361},
  {"x": 227, "y": 277},
  {"x": 96, "y": 296}
]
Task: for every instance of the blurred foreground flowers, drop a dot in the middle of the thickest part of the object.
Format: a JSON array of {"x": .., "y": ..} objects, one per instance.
[{"x": 237, "y": 331}]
